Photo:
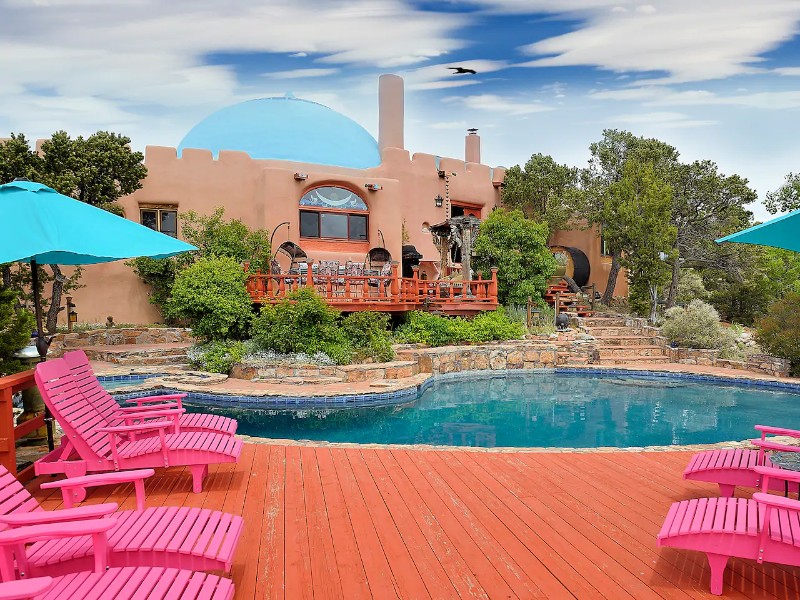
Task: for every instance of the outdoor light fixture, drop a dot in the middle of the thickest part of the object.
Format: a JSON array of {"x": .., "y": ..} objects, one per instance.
[
  {"x": 373, "y": 187},
  {"x": 72, "y": 316},
  {"x": 441, "y": 173},
  {"x": 439, "y": 201},
  {"x": 301, "y": 176}
]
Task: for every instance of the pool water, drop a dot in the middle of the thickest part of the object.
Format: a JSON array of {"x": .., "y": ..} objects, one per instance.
[{"x": 543, "y": 410}]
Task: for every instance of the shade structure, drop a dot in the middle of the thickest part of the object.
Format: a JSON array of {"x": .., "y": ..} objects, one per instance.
[
  {"x": 37, "y": 223},
  {"x": 40, "y": 226},
  {"x": 782, "y": 232}
]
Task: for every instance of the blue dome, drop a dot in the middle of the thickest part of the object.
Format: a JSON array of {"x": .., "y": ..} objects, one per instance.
[{"x": 286, "y": 129}]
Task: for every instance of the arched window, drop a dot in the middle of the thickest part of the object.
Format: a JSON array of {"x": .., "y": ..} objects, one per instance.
[{"x": 333, "y": 213}]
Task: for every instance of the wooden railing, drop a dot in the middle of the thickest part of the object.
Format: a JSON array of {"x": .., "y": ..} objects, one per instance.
[
  {"x": 390, "y": 293},
  {"x": 9, "y": 434}
]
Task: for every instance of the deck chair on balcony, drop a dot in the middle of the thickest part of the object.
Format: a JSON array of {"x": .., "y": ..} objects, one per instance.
[
  {"x": 731, "y": 467},
  {"x": 105, "y": 582},
  {"x": 157, "y": 537},
  {"x": 89, "y": 445},
  {"x": 147, "y": 409},
  {"x": 763, "y": 528}
]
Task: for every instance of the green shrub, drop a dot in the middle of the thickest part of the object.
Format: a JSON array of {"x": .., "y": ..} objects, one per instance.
[
  {"x": 690, "y": 286},
  {"x": 211, "y": 295},
  {"x": 15, "y": 331},
  {"x": 778, "y": 333},
  {"x": 696, "y": 326},
  {"x": 302, "y": 323},
  {"x": 216, "y": 356},
  {"x": 369, "y": 335},
  {"x": 434, "y": 330}
]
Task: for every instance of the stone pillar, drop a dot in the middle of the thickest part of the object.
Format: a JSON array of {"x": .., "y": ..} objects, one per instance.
[{"x": 390, "y": 112}]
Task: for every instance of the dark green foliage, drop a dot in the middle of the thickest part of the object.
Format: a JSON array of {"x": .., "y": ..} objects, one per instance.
[
  {"x": 435, "y": 330},
  {"x": 211, "y": 296},
  {"x": 778, "y": 333},
  {"x": 544, "y": 190},
  {"x": 15, "y": 331},
  {"x": 217, "y": 356},
  {"x": 370, "y": 335},
  {"x": 302, "y": 323},
  {"x": 518, "y": 247},
  {"x": 214, "y": 237}
]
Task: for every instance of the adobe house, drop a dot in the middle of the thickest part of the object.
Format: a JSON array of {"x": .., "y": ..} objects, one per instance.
[{"x": 316, "y": 178}]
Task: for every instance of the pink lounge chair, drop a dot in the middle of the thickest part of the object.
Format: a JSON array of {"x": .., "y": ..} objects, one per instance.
[
  {"x": 89, "y": 445},
  {"x": 150, "y": 408},
  {"x": 730, "y": 467},
  {"x": 764, "y": 528},
  {"x": 117, "y": 583},
  {"x": 161, "y": 536}
]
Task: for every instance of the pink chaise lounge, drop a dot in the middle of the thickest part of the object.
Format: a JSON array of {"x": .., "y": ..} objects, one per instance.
[{"x": 90, "y": 445}]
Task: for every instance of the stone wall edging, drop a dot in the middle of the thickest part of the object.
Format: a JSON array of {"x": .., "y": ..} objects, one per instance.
[{"x": 117, "y": 337}]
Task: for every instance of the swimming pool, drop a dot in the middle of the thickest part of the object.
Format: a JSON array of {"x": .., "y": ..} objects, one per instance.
[{"x": 549, "y": 409}]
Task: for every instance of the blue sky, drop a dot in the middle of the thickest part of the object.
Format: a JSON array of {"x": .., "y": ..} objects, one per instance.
[{"x": 719, "y": 79}]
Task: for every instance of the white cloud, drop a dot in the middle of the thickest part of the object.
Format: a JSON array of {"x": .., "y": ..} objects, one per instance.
[
  {"x": 791, "y": 71},
  {"x": 449, "y": 125},
  {"x": 668, "y": 120},
  {"x": 494, "y": 103},
  {"x": 301, "y": 73},
  {"x": 686, "y": 39},
  {"x": 440, "y": 76},
  {"x": 665, "y": 96}
]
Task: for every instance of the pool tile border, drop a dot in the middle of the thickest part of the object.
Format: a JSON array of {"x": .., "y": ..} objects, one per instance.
[{"x": 412, "y": 392}]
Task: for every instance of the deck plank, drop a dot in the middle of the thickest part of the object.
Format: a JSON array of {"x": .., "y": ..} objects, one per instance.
[{"x": 332, "y": 522}]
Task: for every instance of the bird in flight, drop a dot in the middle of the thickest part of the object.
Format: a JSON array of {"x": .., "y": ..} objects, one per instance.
[{"x": 462, "y": 71}]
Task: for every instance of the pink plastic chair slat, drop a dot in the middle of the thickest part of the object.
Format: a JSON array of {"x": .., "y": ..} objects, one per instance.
[
  {"x": 213, "y": 523},
  {"x": 197, "y": 522},
  {"x": 697, "y": 517},
  {"x": 160, "y": 525}
]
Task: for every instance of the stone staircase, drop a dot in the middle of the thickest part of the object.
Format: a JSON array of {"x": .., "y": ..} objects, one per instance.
[
  {"x": 568, "y": 302},
  {"x": 624, "y": 340}
]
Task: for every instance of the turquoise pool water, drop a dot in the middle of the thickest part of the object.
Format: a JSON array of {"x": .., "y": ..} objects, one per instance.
[{"x": 545, "y": 410}]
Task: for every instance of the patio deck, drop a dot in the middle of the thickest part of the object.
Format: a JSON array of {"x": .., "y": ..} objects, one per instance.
[{"x": 361, "y": 522}]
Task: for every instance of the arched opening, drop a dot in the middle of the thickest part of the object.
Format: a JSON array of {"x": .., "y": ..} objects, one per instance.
[{"x": 334, "y": 213}]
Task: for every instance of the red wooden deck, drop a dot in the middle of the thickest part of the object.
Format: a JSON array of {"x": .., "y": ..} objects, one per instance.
[
  {"x": 390, "y": 293},
  {"x": 395, "y": 523}
]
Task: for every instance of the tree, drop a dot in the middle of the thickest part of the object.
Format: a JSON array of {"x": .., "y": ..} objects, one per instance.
[
  {"x": 637, "y": 216},
  {"x": 518, "y": 247},
  {"x": 15, "y": 331},
  {"x": 706, "y": 205},
  {"x": 786, "y": 197},
  {"x": 98, "y": 170},
  {"x": 215, "y": 238},
  {"x": 544, "y": 191},
  {"x": 606, "y": 167}
]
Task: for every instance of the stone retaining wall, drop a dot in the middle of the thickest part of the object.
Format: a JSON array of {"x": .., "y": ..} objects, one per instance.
[
  {"x": 755, "y": 363},
  {"x": 118, "y": 337},
  {"x": 512, "y": 355},
  {"x": 347, "y": 373}
]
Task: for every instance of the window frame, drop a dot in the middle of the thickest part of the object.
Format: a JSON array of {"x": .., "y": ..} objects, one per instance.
[
  {"x": 347, "y": 213},
  {"x": 159, "y": 209}
]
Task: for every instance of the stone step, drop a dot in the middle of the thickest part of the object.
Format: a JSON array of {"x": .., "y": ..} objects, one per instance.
[
  {"x": 605, "y": 322},
  {"x": 631, "y": 351},
  {"x": 626, "y": 340},
  {"x": 603, "y": 332},
  {"x": 624, "y": 360}
]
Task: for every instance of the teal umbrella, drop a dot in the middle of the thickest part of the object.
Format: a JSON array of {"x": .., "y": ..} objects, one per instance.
[
  {"x": 783, "y": 232},
  {"x": 40, "y": 226}
]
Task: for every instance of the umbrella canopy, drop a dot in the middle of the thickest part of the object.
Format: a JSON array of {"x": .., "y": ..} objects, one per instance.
[
  {"x": 783, "y": 232},
  {"x": 39, "y": 224}
]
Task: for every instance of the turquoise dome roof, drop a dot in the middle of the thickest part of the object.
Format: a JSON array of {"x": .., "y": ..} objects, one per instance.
[{"x": 286, "y": 128}]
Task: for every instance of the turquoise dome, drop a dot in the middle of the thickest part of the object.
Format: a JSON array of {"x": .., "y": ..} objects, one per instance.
[{"x": 286, "y": 128}]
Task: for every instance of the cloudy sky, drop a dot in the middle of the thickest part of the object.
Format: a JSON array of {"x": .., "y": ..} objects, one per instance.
[{"x": 718, "y": 79}]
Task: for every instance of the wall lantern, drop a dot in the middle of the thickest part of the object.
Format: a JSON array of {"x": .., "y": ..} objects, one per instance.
[
  {"x": 301, "y": 176},
  {"x": 441, "y": 173},
  {"x": 439, "y": 201},
  {"x": 72, "y": 316},
  {"x": 373, "y": 187}
]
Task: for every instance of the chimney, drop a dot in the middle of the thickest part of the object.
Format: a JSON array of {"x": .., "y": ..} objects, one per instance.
[
  {"x": 390, "y": 112},
  {"x": 472, "y": 147}
]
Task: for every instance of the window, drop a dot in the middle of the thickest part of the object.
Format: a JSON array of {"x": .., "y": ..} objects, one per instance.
[
  {"x": 334, "y": 213},
  {"x": 164, "y": 220}
]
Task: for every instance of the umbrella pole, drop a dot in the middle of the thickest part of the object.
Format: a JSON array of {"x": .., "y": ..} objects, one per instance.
[{"x": 41, "y": 345}]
